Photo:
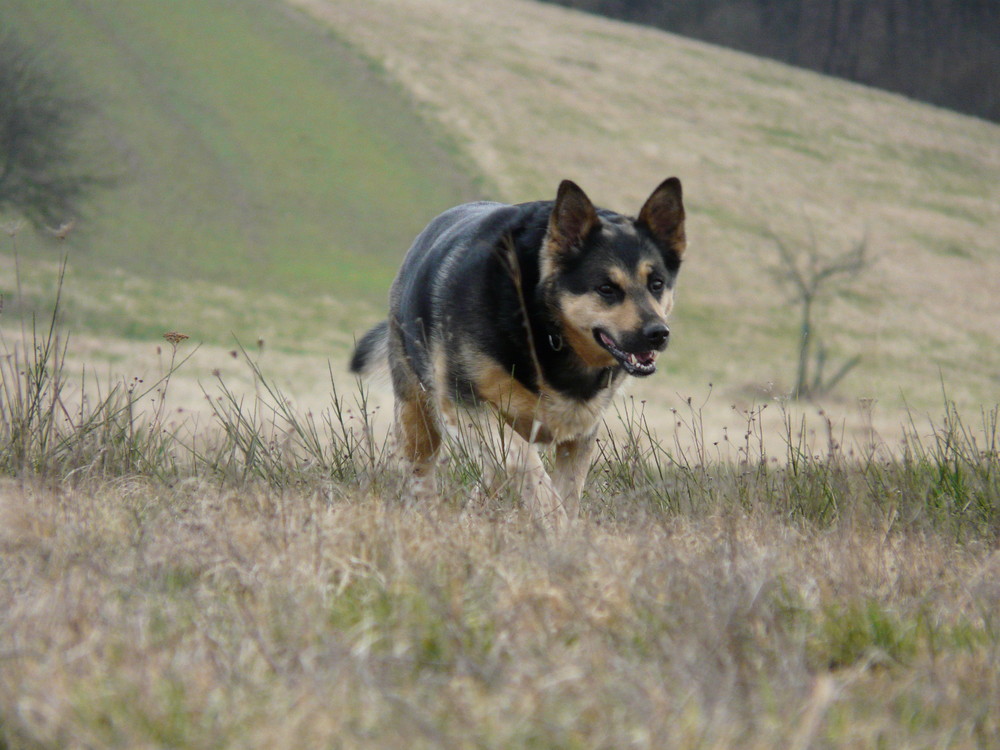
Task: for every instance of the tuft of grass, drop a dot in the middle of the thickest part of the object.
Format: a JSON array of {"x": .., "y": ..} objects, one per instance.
[
  {"x": 946, "y": 478},
  {"x": 954, "y": 472},
  {"x": 51, "y": 426},
  {"x": 862, "y": 633},
  {"x": 268, "y": 439}
]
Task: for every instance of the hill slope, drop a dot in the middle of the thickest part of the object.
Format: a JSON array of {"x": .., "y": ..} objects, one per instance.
[
  {"x": 242, "y": 139},
  {"x": 535, "y": 93},
  {"x": 527, "y": 94}
]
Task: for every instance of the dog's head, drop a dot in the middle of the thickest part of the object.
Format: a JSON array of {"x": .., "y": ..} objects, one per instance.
[{"x": 609, "y": 279}]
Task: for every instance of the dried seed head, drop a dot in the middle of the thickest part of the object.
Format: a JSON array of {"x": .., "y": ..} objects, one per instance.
[{"x": 174, "y": 338}]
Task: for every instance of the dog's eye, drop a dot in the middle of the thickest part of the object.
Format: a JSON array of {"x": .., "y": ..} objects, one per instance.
[
  {"x": 656, "y": 285},
  {"x": 609, "y": 291}
]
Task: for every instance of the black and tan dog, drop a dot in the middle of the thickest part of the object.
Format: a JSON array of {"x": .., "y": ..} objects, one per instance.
[{"x": 535, "y": 312}]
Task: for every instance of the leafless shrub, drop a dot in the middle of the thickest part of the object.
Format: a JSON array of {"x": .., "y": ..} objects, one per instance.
[{"x": 811, "y": 274}]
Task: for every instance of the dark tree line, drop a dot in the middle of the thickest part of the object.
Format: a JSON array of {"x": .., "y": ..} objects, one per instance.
[{"x": 946, "y": 52}]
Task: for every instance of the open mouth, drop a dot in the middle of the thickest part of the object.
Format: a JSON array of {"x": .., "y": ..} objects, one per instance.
[{"x": 639, "y": 364}]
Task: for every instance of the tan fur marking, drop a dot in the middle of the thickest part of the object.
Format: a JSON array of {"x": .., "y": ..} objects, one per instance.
[
  {"x": 623, "y": 318},
  {"x": 542, "y": 499},
  {"x": 418, "y": 434},
  {"x": 583, "y": 343},
  {"x": 665, "y": 303},
  {"x": 619, "y": 277},
  {"x": 581, "y": 314},
  {"x": 572, "y": 461},
  {"x": 513, "y": 401},
  {"x": 439, "y": 370},
  {"x": 544, "y": 418}
]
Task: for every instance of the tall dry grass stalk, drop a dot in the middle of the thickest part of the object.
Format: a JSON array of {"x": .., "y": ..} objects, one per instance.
[{"x": 54, "y": 426}]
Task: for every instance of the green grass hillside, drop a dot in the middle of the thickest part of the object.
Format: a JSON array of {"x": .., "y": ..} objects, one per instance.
[{"x": 250, "y": 146}]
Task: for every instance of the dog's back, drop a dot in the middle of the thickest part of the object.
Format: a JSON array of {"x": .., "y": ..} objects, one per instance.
[{"x": 455, "y": 286}]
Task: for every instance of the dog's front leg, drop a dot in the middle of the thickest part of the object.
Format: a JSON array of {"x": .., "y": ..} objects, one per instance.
[
  {"x": 572, "y": 462},
  {"x": 525, "y": 468}
]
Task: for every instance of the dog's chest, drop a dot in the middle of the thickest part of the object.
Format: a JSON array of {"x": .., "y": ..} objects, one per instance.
[
  {"x": 565, "y": 418},
  {"x": 545, "y": 415}
]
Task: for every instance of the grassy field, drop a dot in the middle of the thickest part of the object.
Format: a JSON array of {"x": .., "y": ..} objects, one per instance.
[
  {"x": 200, "y": 616},
  {"x": 264, "y": 582},
  {"x": 209, "y": 545}
]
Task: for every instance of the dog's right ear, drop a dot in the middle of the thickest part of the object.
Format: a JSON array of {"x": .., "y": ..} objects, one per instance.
[{"x": 573, "y": 217}]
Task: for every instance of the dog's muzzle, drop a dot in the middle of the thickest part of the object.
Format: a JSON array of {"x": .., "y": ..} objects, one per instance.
[{"x": 640, "y": 361}]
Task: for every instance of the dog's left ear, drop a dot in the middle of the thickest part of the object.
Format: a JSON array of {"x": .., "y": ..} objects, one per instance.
[{"x": 663, "y": 216}]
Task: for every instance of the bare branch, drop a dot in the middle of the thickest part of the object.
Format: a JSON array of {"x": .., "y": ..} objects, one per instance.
[{"x": 810, "y": 272}]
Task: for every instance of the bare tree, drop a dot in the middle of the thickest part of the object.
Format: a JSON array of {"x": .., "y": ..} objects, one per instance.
[
  {"x": 811, "y": 274},
  {"x": 40, "y": 173}
]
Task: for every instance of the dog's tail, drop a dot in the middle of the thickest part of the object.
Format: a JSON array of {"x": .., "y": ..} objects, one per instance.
[{"x": 371, "y": 355}]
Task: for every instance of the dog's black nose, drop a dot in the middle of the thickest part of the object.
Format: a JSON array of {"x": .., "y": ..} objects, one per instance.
[{"x": 656, "y": 333}]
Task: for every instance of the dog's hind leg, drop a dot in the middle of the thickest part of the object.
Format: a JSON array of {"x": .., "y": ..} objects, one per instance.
[{"x": 419, "y": 439}]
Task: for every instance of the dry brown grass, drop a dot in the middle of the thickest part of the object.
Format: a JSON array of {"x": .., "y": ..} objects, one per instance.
[
  {"x": 135, "y": 615},
  {"x": 271, "y": 587}
]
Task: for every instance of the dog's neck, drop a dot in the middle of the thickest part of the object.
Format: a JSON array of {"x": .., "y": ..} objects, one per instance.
[
  {"x": 560, "y": 365},
  {"x": 585, "y": 379}
]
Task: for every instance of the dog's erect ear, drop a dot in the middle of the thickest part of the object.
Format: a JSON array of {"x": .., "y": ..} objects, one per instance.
[
  {"x": 663, "y": 216},
  {"x": 573, "y": 216}
]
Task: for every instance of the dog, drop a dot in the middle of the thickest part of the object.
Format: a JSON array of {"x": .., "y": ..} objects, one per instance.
[{"x": 535, "y": 313}]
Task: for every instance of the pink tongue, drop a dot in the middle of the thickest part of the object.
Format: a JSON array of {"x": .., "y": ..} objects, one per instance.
[{"x": 646, "y": 358}]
